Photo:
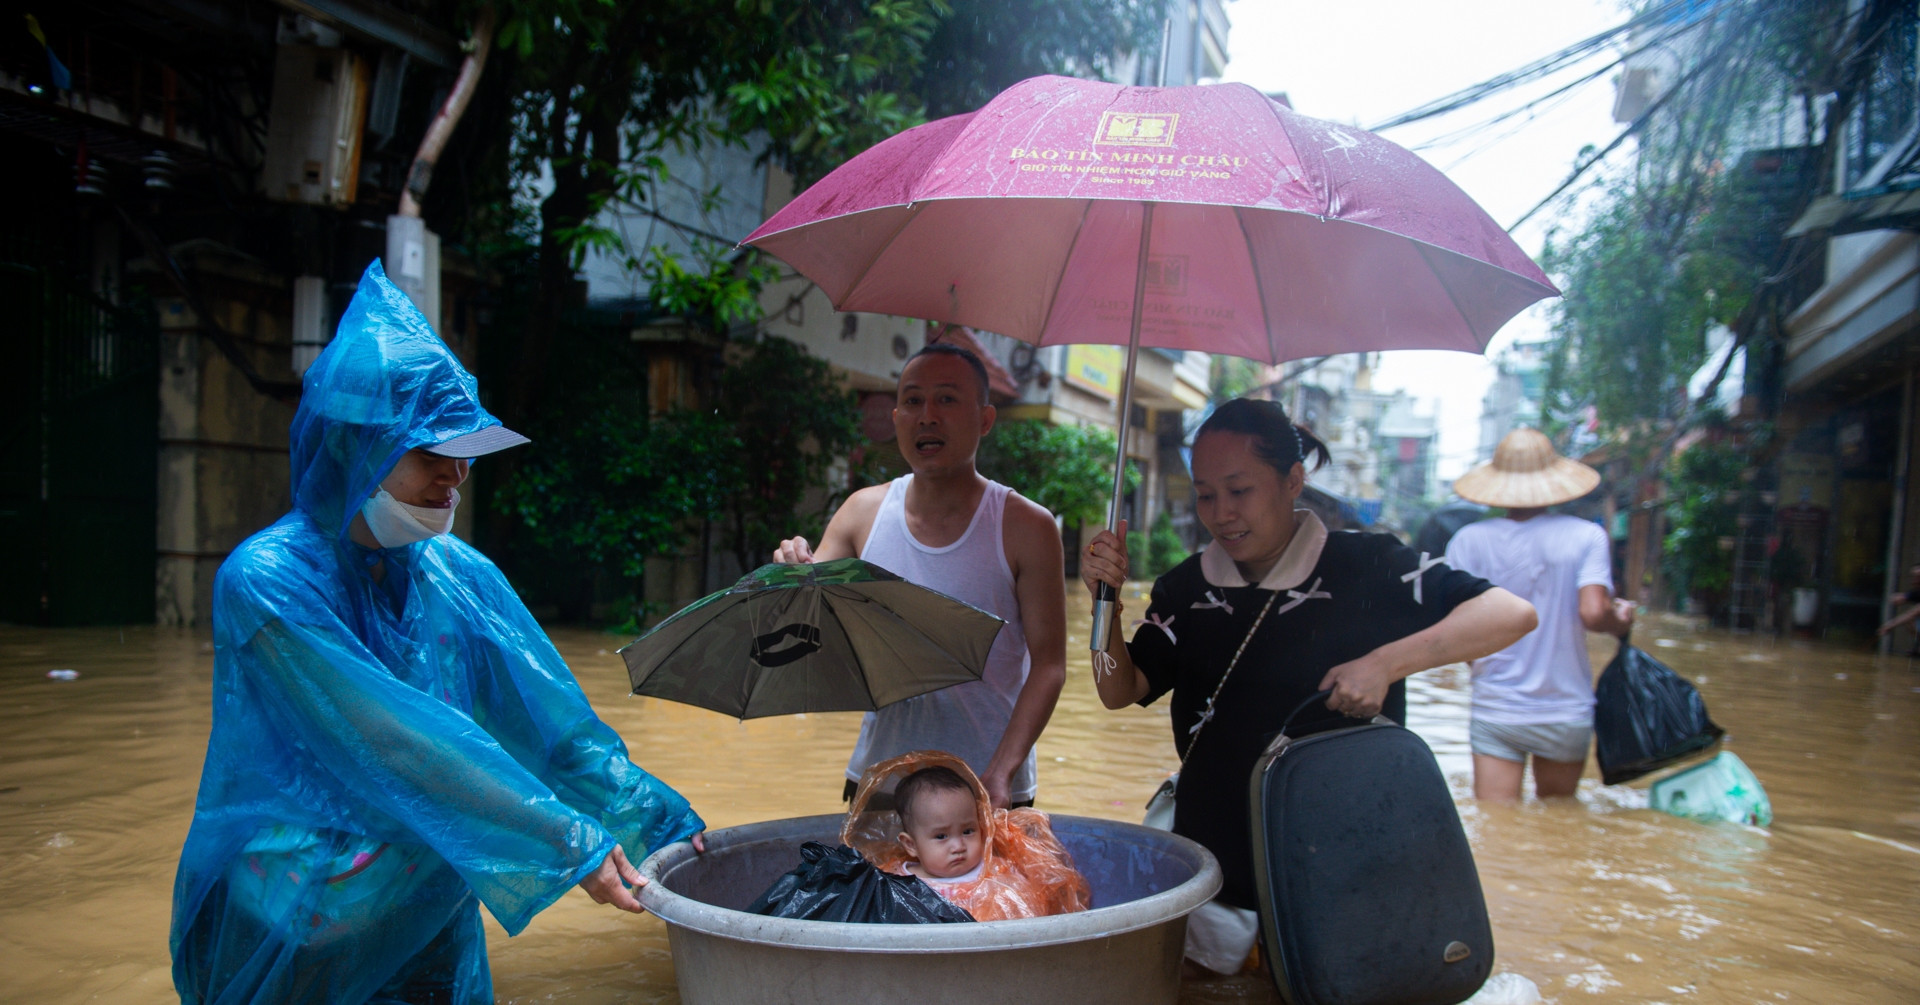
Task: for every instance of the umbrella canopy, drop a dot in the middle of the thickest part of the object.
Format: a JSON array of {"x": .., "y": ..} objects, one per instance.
[
  {"x": 840, "y": 636},
  {"x": 1271, "y": 235},
  {"x": 1209, "y": 217}
]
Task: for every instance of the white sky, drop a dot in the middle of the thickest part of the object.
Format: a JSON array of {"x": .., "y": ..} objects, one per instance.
[{"x": 1362, "y": 61}]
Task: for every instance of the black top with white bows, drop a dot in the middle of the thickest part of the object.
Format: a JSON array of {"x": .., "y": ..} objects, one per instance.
[{"x": 1341, "y": 596}]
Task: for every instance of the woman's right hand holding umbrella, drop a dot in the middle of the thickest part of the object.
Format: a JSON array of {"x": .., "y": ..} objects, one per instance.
[{"x": 1105, "y": 561}]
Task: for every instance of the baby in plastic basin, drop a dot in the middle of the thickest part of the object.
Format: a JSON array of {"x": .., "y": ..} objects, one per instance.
[
  {"x": 939, "y": 827},
  {"x": 995, "y": 864},
  {"x": 922, "y": 844}
]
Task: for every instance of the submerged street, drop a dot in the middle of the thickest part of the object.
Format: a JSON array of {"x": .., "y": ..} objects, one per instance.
[{"x": 1599, "y": 900}]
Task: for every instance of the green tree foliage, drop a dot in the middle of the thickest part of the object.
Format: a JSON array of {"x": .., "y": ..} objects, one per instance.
[
  {"x": 1233, "y": 376},
  {"x": 718, "y": 293},
  {"x": 613, "y": 483},
  {"x": 1067, "y": 469},
  {"x": 1639, "y": 300},
  {"x": 788, "y": 419},
  {"x": 1704, "y": 484},
  {"x": 625, "y": 487},
  {"x": 1682, "y": 240},
  {"x": 1152, "y": 554},
  {"x": 1164, "y": 547},
  {"x": 605, "y": 485},
  {"x": 581, "y": 102},
  {"x": 584, "y": 96}
]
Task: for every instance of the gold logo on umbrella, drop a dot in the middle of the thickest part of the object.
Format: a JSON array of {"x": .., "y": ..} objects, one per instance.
[
  {"x": 1136, "y": 129},
  {"x": 1167, "y": 275}
]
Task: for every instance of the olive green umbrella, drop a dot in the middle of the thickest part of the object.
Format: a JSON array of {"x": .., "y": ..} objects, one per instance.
[{"x": 840, "y": 636}]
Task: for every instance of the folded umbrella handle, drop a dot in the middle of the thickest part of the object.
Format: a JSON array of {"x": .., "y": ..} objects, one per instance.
[{"x": 1104, "y": 597}]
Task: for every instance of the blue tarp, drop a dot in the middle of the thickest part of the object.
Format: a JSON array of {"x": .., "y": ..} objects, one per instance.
[{"x": 386, "y": 757}]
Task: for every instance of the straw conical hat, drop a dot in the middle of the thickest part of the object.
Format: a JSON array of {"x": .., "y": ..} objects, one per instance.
[{"x": 1526, "y": 472}]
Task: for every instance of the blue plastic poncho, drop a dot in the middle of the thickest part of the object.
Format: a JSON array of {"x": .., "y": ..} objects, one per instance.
[{"x": 384, "y": 757}]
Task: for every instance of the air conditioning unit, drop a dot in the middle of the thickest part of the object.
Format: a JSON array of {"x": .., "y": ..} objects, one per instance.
[{"x": 314, "y": 126}]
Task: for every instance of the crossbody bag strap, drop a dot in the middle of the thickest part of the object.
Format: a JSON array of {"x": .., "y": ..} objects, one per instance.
[{"x": 1206, "y": 715}]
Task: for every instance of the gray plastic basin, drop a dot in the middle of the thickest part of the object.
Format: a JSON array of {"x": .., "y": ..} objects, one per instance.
[{"x": 1125, "y": 950}]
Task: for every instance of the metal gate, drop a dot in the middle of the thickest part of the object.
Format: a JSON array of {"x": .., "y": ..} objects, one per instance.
[{"x": 79, "y": 427}]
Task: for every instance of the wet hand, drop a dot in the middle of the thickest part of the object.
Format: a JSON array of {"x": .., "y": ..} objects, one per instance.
[
  {"x": 999, "y": 791},
  {"x": 700, "y": 842},
  {"x": 1623, "y": 613},
  {"x": 1105, "y": 560},
  {"x": 609, "y": 883},
  {"x": 793, "y": 551},
  {"x": 1359, "y": 687}
]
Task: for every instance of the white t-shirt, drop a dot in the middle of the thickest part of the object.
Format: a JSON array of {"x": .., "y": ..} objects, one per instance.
[{"x": 1544, "y": 677}]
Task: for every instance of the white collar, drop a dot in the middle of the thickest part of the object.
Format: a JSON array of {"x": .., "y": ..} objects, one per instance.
[{"x": 1296, "y": 562}]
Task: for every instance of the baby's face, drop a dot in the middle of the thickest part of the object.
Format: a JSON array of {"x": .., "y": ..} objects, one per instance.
[{"x": 945, "y": 834}]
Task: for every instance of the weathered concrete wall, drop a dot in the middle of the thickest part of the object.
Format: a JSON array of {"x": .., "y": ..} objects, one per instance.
[{"x": 223, "y": 444}]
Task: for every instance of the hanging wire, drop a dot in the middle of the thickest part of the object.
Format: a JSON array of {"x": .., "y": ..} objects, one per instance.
[{"x": 1554, "y": 62}]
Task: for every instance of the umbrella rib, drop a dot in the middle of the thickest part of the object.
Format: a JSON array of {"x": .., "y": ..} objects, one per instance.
[
  {"x": 914, "y": 209},
  {"x": 1053, "y": 295},
  {"x": 1259, "y": 287},
  {"x": 1325, "y": 191},
  {"x": 1420, "y": 248}
]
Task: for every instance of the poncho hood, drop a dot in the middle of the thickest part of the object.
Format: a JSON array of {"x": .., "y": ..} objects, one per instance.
[
  {"x": 395, "y": 740},
  {"x": 385, "y": 385}
]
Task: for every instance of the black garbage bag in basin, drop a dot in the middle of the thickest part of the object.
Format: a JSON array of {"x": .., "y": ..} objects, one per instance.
[
  {"x": 1646, "y": 717},
  {"x": 836, "y": 884}
]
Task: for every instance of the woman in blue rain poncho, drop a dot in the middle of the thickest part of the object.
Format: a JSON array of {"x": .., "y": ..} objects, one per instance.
[{"x": 395, "y": 741}]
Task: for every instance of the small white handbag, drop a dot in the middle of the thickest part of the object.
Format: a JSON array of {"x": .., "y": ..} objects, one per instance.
[{"x": 1160, "y": 807}]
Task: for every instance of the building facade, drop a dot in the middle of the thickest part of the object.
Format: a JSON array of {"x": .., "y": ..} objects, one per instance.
[
  {"x": 1825, "y": 361},
  {"x": 195, "y": 189}
]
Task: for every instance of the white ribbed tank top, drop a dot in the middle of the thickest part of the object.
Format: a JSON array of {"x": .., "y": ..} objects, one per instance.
[{"x": 966, "y": 720}]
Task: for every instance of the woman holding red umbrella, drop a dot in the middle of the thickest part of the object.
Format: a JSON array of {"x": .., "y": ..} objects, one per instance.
[{"x": 1272, "y": 611}]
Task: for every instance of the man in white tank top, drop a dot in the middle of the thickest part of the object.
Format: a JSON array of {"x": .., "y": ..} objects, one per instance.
[{"x": 950, "y": 529}]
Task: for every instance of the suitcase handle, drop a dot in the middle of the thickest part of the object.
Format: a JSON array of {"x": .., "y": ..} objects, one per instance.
[{"x": 1321, "y": 698}]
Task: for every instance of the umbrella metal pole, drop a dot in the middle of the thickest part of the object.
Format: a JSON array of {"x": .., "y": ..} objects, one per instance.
[{"x": 1105, "y": 597}]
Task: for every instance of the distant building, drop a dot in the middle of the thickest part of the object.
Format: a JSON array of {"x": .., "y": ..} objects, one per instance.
[
  {"x": 1513, "y": 399},
  {"x": 1828, "y": 525},
  {"x": 1196, "y": 46},
  {"x": 193, "y": 192},
  {"x": 1334, "y": 397},
  {"x": 1850, "y": 351},
  {"x": 1408, "y": 442}
]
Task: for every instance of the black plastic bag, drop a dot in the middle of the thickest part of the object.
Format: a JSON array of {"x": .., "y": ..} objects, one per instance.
[
  {"x": 1646, "y": 717},
  {"x": 836, "y": 884}
]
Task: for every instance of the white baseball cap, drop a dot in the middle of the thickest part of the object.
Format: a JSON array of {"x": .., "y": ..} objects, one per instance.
[{"x": 478, "y": 443}]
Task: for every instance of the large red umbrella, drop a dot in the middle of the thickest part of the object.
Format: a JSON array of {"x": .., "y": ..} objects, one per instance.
[{"x": 1211, "y": 218}]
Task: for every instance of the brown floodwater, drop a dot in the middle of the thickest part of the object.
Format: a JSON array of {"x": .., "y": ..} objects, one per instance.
[{"x": 1594, "y": 899}]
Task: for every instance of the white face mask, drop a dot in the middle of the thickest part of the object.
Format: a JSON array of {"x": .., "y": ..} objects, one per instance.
[{"x": 396, "y": 524}]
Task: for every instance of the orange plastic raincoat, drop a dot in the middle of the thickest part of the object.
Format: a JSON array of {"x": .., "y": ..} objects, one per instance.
[{"x": 1025, "y": 871}]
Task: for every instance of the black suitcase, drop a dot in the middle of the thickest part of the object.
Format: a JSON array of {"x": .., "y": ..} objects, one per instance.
[{"x": 1368, "y": 894}]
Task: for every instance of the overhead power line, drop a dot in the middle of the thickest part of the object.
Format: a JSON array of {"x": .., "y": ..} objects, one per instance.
[{"x": 1554, "y": 62}]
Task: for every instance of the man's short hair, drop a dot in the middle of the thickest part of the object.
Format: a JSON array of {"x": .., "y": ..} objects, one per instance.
[
  {"x": 949, "y": 349},
  {"x": 937, "y": 778}
]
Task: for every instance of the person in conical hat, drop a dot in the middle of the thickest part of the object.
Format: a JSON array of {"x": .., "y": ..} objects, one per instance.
[{"x": 1534, "y": 699}]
